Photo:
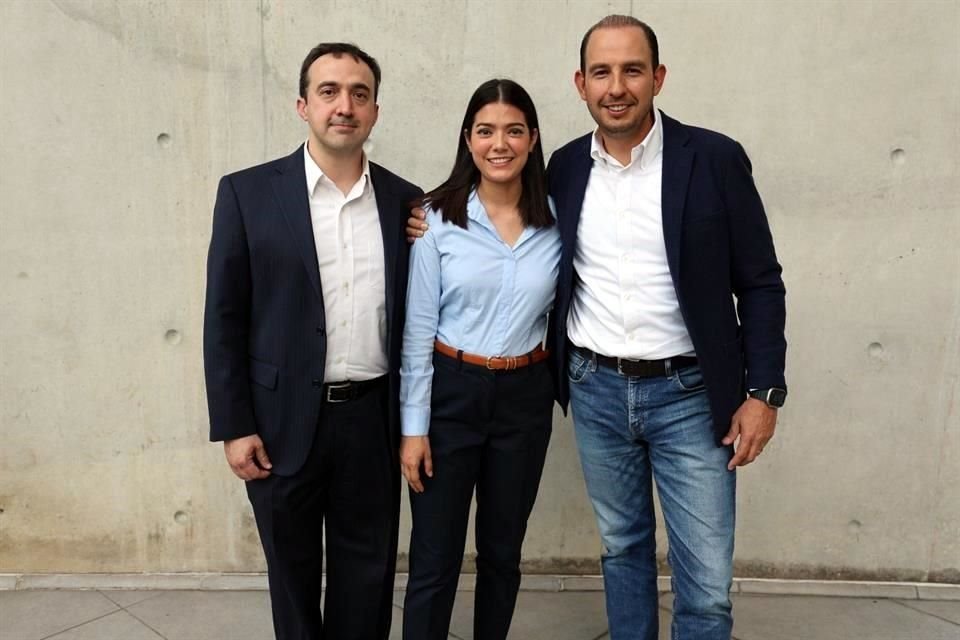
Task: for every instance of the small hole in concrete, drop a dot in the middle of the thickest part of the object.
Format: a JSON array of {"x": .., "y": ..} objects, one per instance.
[
  {"x": 898, "y": 157},
  {"x": 172, "y": 336},
  {"x": 875, "y": 349},
  {"x": 164, "y": 140},
  {"x": 181, "y": 517}
]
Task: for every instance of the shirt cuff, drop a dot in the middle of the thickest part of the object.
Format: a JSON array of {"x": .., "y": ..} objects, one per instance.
[{"x": 415, "y": 421}]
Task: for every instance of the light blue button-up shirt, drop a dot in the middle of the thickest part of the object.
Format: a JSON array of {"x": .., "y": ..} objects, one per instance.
[{"x": 471, "y": 290}]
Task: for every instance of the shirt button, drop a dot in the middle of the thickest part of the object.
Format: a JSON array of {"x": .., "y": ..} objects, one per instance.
[
  {"x": 339, "y": 360},
  {"x": 343, "y": 323}
]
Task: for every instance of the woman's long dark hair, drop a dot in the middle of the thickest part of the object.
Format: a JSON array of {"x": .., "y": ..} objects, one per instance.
[{"x": 451, "y": 197}]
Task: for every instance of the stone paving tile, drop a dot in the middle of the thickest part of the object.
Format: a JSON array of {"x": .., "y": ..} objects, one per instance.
[
  {"x": 239, "y": 615},
  {"x": 32, "y": 615},
  {"x": 666, "y": 601},
  {"x": 115, "y": 626},
  {"x": 125, "y": 598},
  {"x": 817, "y": 618},
  {"x": 396, "y": 625},
  {"x": 948, "y": 610},
  {"x": 207, "y": 615},
  {"x": 542, "y": 616}
]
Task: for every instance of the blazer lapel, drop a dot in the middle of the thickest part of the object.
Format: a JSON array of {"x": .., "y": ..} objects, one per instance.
[
  {"x": 677, "y": 163},
  {"x": 290, "y": 188},
  {"x": 391, "y": 219},
  {"x": 575, "y": 190}
]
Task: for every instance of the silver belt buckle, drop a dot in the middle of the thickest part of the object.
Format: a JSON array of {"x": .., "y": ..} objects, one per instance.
[
  {"x": 620, "y": 362},
  {"x": 332, "y": 387}
]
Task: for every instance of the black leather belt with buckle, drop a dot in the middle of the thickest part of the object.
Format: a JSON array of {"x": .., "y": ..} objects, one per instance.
[
  {"x": 639, "y": 368},
  {"x": 336, "y": 392}
]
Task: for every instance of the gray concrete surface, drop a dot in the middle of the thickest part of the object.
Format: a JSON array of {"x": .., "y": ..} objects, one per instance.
[
  {"x": 245, "y": 615},
  {"x": 118, "y": 117}
]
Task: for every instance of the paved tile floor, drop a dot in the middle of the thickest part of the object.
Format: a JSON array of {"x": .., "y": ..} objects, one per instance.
[{"x": 571, "y": 615}]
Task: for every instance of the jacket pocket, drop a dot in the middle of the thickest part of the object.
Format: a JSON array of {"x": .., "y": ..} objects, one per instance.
[{"x": 263, "y": 374}]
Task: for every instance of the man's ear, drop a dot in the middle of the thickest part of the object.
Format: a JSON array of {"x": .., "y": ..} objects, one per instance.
[
  {"x": 658, "y": 77},
  {"x": 580, "y": 82}
]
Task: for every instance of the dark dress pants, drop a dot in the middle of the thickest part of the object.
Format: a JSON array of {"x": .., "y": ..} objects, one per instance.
[
  {"x": 350, "y": 483},
  {"x": 489, "y": 431}
]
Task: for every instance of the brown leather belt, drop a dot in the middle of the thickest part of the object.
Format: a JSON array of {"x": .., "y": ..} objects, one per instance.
[{"x": 494, "y": 363}]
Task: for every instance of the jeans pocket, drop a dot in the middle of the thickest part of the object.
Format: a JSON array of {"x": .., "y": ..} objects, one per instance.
[
  {"x": 688, "y": 378},
  {"x": 579, "y": 366}
]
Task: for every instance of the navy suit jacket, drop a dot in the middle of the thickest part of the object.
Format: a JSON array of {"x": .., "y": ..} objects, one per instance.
[
  {"x": 264, "y": 330},
  {"x": 718, "y": 246}
]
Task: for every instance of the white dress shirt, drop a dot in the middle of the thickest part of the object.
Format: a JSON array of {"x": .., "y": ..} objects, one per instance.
[
  {"x": 624, "y": 303},
  {"x": 346, "y": 232}
]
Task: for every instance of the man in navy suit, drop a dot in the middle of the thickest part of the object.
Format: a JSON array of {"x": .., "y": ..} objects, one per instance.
[
  {"x": 306, "y": 280},
  {"x": 662, "y": 229}
]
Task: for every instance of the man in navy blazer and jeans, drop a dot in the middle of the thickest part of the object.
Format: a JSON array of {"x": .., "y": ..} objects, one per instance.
[
  {"x": 306, "y": 280},
  {"x": 662, "y": 227}
]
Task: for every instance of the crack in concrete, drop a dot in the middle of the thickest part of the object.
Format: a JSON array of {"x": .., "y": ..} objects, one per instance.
[{"x": 926, "y": 613}]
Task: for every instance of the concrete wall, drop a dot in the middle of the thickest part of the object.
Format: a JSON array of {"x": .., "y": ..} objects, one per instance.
[{"x": 117, "y": 118}]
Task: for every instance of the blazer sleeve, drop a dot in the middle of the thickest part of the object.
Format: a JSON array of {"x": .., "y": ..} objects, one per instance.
[
  {"x": 226, "y": 321},
  {"x": 756, "y": 277}
]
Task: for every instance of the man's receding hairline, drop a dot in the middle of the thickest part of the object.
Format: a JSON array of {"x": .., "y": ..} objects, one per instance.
[{"x": 588, "y": 65}]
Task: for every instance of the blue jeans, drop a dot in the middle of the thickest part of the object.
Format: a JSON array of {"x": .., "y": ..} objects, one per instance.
[{"x": 631, "y": 431}]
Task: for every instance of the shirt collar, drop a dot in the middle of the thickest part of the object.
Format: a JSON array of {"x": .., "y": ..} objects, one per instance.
[
  {"x": 314, "y": 173},
  {"x": 642, "y": 154},
  {"x": 477, "y": 213},
  {"x": 475, "y": 210}
]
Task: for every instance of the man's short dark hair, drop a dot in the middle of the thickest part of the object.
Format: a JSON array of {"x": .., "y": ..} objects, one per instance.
[
  {"x": 337, "y": 49},
  {"x": 617, "y": 20}
]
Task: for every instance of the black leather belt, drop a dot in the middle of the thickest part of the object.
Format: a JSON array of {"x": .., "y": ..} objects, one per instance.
[
  {"x": 639, "y": 368},
  {"x": 346, "y": 391}
]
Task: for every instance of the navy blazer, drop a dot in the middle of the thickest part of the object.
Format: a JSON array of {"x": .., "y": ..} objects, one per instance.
[
  {"x": 264, "y": 330},
  {"x": 718, "y": 247}
]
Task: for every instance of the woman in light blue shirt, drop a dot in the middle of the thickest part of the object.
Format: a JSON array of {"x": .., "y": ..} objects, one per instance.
[{"x": 476, "y": 390}]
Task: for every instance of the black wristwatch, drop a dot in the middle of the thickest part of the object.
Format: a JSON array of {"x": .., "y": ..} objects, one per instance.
[{"x": 774, "y": 397}]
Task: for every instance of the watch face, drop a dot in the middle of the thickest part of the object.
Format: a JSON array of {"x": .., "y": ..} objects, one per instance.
[{"x": 777, "y": 397}]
